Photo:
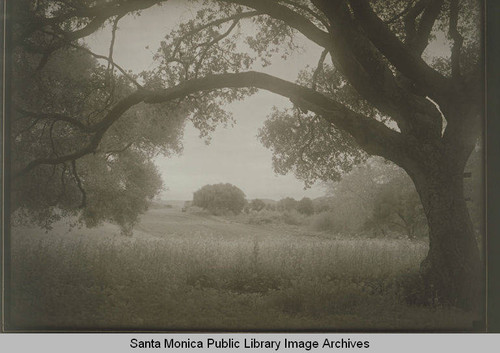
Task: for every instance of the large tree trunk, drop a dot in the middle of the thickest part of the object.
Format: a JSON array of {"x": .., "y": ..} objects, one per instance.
[{"x": 452, "y": 269}]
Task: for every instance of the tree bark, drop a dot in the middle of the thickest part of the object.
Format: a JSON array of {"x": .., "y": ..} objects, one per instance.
[{"x": 452, "y": 269}]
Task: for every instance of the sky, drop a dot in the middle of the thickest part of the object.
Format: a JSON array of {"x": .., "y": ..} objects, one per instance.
[{"x": 234, "y": 155}]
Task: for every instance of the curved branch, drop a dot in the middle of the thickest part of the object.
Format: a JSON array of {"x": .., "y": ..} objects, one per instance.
[
  {"x": 100, "y": 129},
  {"x": 370, "y": 134},
  {"x": 310, "y": 11},
  {"x": 292, "y": 19}
]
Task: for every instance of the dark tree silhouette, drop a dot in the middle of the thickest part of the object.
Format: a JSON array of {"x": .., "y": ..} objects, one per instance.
[
  {"x": 220, "y": 198},
  {"x": 375, "y": 88}
]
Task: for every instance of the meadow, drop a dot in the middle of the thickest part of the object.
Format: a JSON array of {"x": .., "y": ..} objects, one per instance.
[{"x": 185, "y": 271}]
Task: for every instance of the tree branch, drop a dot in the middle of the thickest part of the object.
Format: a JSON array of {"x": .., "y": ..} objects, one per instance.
[
  {"x": 457, "y": 40},
  {"x": 100, "y": 129},
  {"x": 55, "y": 117},
  {"x": 410, "y": 21},
  {"x": 111, "y": 64},
  {"x": 217, "y": 22},
  {"x": 79, "y": 184},
  {"x": 410, "y": 65},
  {"x": 366, "y": 68},
  {"x": 98, "y": 56},
  {"x": 210, "y": 44},
  {"x": 319, "y": 68},
  {"x": 290, "y": 17},
  {"x": 370, "y": 134},
  {"x": 98, "y": 13},
  {"x": 429, "y": 16},
  {"x": 307, "y": 9},
  {"x": 405, "y": 11}
]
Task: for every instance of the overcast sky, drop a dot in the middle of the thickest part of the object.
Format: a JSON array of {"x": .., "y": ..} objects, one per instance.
[{"x": 235, "y": 155}]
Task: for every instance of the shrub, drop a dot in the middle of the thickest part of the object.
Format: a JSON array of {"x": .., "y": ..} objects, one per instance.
[
  {"x": 337, "y": 221},
  {"x": 270, "y": 207},
  {"x": 287, "y": 204},
  {"x": 293, "y": 218},
  {"x": 220, "y": 199},
  {"x": 324, "y": 222},
  {"x": 257, "y": 205},
  {"x": 305, "y": 206},
  {"x": 322, "y": 204},
  {"x": 264, "y": 217}
]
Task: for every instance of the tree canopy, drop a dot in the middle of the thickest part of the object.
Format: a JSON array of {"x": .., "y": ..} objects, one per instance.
[{"x": 220, "y": 199}]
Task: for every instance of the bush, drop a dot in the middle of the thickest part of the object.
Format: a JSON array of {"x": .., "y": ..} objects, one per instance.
[
  {"x": 293, "y": 218},
  {"x": 324, "y": 222},
  {"x": 287, "y": 204},
  {"x": 264, "y": 217},
  {"x": 305, "y": 206},
  {"x": 257, "y": 205},
  {"x": 322, "y": 204},
  {"x": 338, "y": 221},
  {"x": 220, "y": 199},
  {"x": 270, "y": 207}
]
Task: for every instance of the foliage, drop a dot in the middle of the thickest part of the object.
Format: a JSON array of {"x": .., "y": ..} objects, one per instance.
[
  {"x": 322, "y": 204},
  {"x": 326, "y": 222},
  {"x": 220, "y": 198},
  {"x": 309, "y": 147},
  {"x": 305, "y": 206},
  {"x": 287, "y": 204},
  {"x": 55, "y": 107},
  {"x": 397, "y": 207},
  {"x": 377, "y": 197},
  {"x": 264, "y": 217},
  {"x": 257, "y": 205}
]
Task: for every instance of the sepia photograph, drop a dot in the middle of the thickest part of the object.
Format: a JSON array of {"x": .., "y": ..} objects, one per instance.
[{"x": 244, "y": 166}]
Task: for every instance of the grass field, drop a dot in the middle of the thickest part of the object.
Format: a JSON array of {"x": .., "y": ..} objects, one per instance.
[{"x": 182, "y": 271}]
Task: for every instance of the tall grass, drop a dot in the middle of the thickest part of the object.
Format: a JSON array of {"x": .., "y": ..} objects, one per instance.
[{"x": 98, "y": 279}]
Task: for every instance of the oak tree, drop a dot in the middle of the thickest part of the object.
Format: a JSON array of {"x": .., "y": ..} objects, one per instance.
[{"x": 220, "y": 199}]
